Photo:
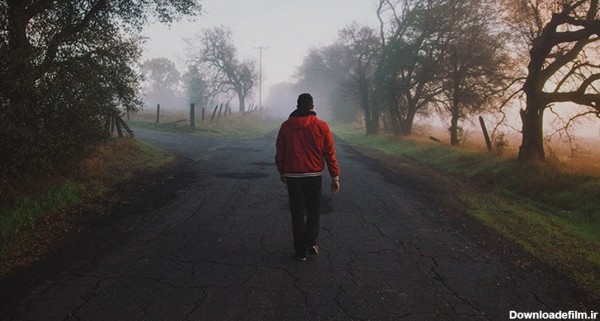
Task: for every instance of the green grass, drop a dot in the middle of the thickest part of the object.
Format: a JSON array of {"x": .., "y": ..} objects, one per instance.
[
  {"x": 26, "y": 211},
  {"x": 548, "y": 211},
  {"x": 234, "y": 126},
  {"x": 559, "y": 242},
  {"x": 31, "y": 220}
]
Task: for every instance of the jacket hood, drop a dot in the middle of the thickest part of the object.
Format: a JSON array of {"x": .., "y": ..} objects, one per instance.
[{"x": 301, "y": 119}]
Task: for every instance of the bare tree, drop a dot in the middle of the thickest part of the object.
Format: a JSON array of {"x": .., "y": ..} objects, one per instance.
[
  {"x": 563, "y": 40},
  {"x": 215, "y": 57}
]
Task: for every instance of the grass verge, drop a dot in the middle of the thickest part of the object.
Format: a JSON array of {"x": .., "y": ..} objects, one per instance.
[
  {"x": 550, "y": 212},
  {"x": 233, "y": 126},
  {"x": 33, "y": 220}
]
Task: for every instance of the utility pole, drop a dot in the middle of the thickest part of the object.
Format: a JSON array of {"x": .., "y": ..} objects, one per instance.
[{"x": 260, "y": 48}]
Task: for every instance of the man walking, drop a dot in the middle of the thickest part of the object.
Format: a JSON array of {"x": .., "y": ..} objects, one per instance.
[{"x": 304, "y": 144}]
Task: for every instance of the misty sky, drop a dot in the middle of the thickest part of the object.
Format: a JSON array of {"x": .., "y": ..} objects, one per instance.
[{"x": 289, "y": 28}]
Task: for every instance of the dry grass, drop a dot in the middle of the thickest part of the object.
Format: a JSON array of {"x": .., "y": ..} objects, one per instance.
[
  {"x": 581, "y": 159},
  {"x": 166, "y": 116},
  {"x": 122, "y": 156},
  {"x": 237, "y": 125}
]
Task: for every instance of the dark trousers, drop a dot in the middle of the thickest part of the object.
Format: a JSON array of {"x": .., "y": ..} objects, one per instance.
[{"x": 305, "y": 200}]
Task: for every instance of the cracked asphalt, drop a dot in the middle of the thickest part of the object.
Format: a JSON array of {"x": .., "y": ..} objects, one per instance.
[{"x": 213, "y": 241}]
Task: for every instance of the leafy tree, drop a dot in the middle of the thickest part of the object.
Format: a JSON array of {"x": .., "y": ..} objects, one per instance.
[
  {"x": 63, "y": 65},
  {"x": 196, "y": 87},
  {"x": 162, "y": 81},
  {"x": 474, "y": 61},
  {"x": 215, "y": 57},
  {"x": 361, "y": 56},
  {"x": 343, "y": 73},
  {"x": 323, "y": 73},
  {"x": 408, "y": 75},
  {"x": 563, "y": 39}
]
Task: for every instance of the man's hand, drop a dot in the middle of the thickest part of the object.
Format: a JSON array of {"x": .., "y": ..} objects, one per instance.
[
  {"x": 335, "y": 187},
  {"x": 283, "y": 179}
]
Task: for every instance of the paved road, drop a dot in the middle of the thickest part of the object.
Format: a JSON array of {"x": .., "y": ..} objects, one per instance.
[{"x": 214, "y": 242}]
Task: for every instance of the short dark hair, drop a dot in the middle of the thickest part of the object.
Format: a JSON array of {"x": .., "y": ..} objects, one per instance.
[{"x": 305, "y": 101}]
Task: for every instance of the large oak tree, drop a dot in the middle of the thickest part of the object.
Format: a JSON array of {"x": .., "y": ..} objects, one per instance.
[{"x": 563, "y": 39}]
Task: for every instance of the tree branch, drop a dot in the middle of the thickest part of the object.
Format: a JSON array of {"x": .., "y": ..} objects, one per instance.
[
  {"x": 70, "y": 31},
  {"x": 591, "y": 100},
  {"x": 37, "y": 8},
  {"x": 564, "y": 59},
  {"x": 587, "y": 82}
]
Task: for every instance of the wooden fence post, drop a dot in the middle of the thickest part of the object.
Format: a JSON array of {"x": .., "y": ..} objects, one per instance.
[
  {"x": 157, "y": 112},
  {"x": 220, "y": 110},
  {"x": 118, "y": 124},
  {"x": 203, "y": 114},
  {"x": 488, "y": 142},
  {"x": 126, "y": 127},
  {"x": 214, "y": 113},
  {"x": 192, "y": 115}
]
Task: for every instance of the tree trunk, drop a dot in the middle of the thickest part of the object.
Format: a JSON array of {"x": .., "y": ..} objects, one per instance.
[
  {"x": 242, "y": 99},
  {"x": 406, "y": 124},
  {"x": 372, "y": 125},
  {"x": 394, "y": 116},
  {"x": 532, "y": 145},
  {"x": 455, "y": 105},
  {"x": 371, "y": 116},
  {"x": 454, "y": 128}
]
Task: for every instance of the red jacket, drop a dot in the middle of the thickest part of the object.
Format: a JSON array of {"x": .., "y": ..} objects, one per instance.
[{"x": 304, "y": 144}]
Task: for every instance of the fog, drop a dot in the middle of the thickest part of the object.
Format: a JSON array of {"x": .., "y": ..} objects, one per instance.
[{"x": 288, "y": 28}]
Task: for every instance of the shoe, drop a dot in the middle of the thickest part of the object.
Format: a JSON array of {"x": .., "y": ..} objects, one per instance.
[
  {"x": 301, "y": 258},
  {"x": 313, "y": 250}
]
